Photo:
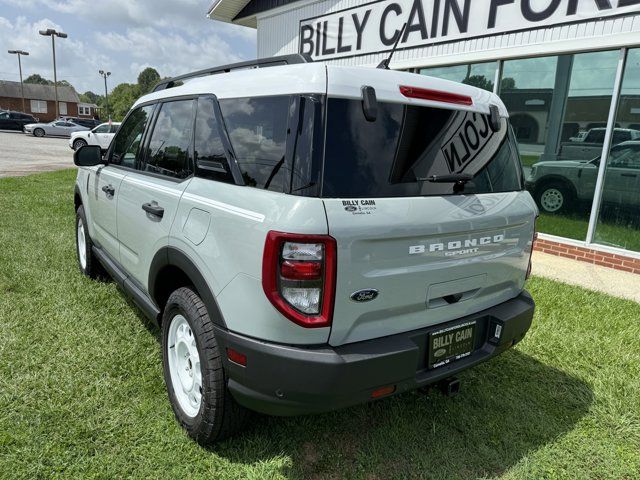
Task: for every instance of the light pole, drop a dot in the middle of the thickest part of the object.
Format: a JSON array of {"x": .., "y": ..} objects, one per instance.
[
  {"x": 106, "y": 95},
  {"x": 20, "y": 53},
  {"x": 50, "y": 32}
]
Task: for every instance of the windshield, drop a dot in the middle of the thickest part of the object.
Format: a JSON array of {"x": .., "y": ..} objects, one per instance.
[{"x": 394, "y": 155}]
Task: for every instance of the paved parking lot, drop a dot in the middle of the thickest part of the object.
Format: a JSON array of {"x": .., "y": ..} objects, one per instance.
[{"x": 22, "y": 154}]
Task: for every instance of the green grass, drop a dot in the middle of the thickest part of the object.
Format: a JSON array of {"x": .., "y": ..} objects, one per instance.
[
  {"x": 82, "y": 396},
  {"x": 528, "y": 160}
]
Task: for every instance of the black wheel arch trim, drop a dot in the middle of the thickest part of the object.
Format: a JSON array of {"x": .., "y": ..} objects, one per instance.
[
  {"x": 172, "y": 256},
  {"x": 547, "y": 179}
]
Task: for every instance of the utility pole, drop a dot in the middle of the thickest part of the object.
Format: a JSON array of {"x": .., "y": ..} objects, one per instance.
[
  {"x": 50, "y": 32},
  {"x": 106, "y": 95},
  {"x": 19, "y": 53}
]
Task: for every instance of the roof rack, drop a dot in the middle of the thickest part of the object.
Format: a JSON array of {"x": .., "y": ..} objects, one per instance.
[{"x": 257, "y": 63}]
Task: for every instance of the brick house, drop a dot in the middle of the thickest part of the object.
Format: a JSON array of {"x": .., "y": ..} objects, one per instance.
[{"x": 39, "y": 101}]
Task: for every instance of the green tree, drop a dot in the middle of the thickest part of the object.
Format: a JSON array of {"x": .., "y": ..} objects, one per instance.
[
  {"x": 90, "y": 97},
  {"x": 38, "y": 79},
  {"x": 120, "y": 100},
  {"x": 479, "y": 81},
  {"x": 147, "y": 79}
]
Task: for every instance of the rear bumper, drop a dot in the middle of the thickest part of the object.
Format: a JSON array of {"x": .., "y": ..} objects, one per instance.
[{"x": 286, "y": 380}]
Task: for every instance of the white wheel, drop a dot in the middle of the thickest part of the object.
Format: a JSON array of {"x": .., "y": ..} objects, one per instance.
[
  {"x": 184, "y": 366},
  {"x": 552, "y": 200},
  {"x": 78, "y": 144},
  {"x": 82, "y": 245}
]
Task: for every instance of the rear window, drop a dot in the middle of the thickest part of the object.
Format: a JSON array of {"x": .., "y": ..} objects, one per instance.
[{"x": 393, "y": 156}]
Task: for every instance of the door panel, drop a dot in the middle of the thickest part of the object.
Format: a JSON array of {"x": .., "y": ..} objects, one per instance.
[
  {"x": 142, "y": 233},
  {"x": 104, "y": 190}
]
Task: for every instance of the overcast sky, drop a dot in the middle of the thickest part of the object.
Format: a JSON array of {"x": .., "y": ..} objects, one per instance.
[{"x": 121, "y": 36}]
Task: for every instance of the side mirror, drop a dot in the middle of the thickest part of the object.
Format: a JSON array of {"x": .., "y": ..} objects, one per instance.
[{"x": 88, "y": 156}]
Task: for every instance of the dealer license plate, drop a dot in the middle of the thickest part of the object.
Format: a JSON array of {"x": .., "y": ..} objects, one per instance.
[{"x": 450, "y": 344}]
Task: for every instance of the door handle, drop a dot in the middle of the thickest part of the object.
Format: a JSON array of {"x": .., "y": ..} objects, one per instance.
[
  {"x": 153, "y": 208},
  {"x": 632, "y": 175},
  {"x": 109, "y": 190}
]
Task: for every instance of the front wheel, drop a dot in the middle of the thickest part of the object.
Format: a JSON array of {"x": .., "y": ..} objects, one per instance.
[
  {"x": 77, "y": 144},
  {"x": 38, "y": 132},
  {"x": 554, "y": 197},
  {"x": 193, "y": 371}
]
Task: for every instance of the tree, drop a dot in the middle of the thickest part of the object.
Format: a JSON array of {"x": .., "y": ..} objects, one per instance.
[
  {"x": 148, "y": 79},
  {"x": 507, "y": 83},
  {"x": 38, "y": 79},
  {"x": 479, "y": 81},
  {"x": 121, "y": 98},
  {"x": 90, "y": 97}
]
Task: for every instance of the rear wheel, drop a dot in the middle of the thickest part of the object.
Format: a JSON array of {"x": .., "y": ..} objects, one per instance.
[
  {"x": 554, "y": 197},
  {"x": 77, "y": 144},
  {"x": 38, "y": 132},
  {"x": 195, "y": 379}
]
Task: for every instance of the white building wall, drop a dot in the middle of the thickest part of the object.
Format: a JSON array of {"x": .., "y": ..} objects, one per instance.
[{"x": 278, "y": 32}]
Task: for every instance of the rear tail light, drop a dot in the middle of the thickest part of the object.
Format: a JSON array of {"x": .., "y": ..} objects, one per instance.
[
  {"x": 298, "y": 276},
  {"x": 435, "y": 95}
]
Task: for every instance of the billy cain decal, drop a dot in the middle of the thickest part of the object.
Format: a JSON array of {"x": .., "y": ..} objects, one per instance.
[{"x": 374, "y": 27}]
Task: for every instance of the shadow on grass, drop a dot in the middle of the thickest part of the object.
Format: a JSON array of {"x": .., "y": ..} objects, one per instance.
[{"x": 508, "y": 407}]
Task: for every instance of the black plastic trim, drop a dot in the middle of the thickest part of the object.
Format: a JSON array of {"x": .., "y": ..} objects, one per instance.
[
  {"x": 276, "y": 378},
  {"x": 172, "y": 256},
  {"x": 130, "y": 287}
]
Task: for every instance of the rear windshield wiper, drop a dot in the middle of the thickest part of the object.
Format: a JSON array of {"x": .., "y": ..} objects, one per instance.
[{"x": 458, "y": 179}]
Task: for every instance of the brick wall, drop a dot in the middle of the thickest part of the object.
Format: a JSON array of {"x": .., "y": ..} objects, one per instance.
[
  {"x": 584, "y": 254},
  {"x": 16, "y": 104}
]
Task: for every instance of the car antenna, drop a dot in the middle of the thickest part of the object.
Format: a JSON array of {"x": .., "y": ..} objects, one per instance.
[{"x": 384, "y": 64}]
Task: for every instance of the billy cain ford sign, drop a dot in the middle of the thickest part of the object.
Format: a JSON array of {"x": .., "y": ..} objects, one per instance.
[{"x": 374, "y": 27}]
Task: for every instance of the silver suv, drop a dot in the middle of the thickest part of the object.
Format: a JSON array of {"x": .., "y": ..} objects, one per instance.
[{"x": 311, "y": 237}]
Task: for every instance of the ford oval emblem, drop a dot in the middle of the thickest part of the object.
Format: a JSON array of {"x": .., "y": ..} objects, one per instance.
[
  {"x": 365, "y": 295},
  {"x": 350, "y": 208}
]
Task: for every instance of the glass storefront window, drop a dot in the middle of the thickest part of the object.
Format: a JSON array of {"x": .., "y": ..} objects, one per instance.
[
  {"x": 557, "y": 106},
  {"x": 618, "y": 222},
  {"x": 481, "y": 75}
]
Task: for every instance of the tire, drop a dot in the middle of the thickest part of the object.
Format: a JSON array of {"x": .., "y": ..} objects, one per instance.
[
  {"x": 554, "y": 198},
  {"x": 193, "y": 372},
  {"x": 77, "y": 144},
  {"x": 38, "y": 132},
  {"x": 87, "y": 262}
]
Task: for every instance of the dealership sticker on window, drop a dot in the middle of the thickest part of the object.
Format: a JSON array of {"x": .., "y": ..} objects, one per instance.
[{"x": 359, "y": 207}]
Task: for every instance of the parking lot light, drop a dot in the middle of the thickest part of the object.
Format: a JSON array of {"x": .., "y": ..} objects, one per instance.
[
  {"x": 50, "y": 32},
  {"x": 19, "y": 53},
  {"x": 106, "y": 95}
]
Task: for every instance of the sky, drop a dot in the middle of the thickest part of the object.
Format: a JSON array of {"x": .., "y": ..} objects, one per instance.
[{"x": 120, "y": 36}]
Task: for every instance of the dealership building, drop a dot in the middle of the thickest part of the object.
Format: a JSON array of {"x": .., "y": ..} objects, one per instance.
[{"x": 567, "y": 70}]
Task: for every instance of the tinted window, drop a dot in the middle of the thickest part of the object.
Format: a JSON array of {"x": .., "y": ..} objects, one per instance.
[
  {"x": 257, "y": 128},
  {"x": 4, "y": 115},
  {"x": 394, "y": 155},
  {"x": 126, "y": 144},
  {"x": 168, "y": 150},
  {"x": 114, "y": 128},
  {"x": 101, "y": 129},
  {"x": 210, "y": 157}
]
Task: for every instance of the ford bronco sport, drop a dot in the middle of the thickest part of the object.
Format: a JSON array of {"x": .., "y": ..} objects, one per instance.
[{"x": 310, "y": 237}]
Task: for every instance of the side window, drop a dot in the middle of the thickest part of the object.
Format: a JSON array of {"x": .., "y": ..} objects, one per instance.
[
  {"x": 113, "y": 128},
  {"x": 102, "y": 129},
  {"x": 4, "y": 116},
  {"x": 126, "y": 144},
  {"x": 168, "y": 151},
  {"x": 210, "y": 157},
  {"x": 257, "y": 129}
]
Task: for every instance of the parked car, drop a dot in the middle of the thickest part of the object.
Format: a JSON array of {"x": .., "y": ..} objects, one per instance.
[
  {"x": 15, "y": 120},
  {"x": 100, "y": 135},
  {"x": 559, "y": 186},
  {"x": 590, "y": 145},
  {"x": 85, "y": 122},
  {"x": 311, "y": 244},
  {"x": 60, "y": 128}
]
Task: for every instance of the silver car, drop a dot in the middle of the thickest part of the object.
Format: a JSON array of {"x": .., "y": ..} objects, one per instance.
[{"x": 60, "y": 128}]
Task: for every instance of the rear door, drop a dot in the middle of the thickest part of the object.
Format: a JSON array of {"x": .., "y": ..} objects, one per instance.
[
  {"x": 151, "y": 192},
  {"x": 411, "y": 252}
]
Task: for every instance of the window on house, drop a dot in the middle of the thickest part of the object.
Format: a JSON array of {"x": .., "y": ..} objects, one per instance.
[
  {"x": 62, "y": 108},
  {"x": 38, "y": 106}
]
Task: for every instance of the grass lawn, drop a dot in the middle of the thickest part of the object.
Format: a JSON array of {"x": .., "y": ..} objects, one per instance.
[
  {"x": 82, "y": 395},
  {"x": 528, "y": 160}
]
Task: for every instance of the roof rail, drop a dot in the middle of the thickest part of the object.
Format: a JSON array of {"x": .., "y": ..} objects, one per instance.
[{"x": 257, "y": 63}]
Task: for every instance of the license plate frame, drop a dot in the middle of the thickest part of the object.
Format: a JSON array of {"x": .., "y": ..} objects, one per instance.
[{"x": 450, "y": 344}]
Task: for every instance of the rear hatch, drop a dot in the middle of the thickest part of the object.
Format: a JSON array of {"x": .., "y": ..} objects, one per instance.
[{"x": 414, "y": 250}]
